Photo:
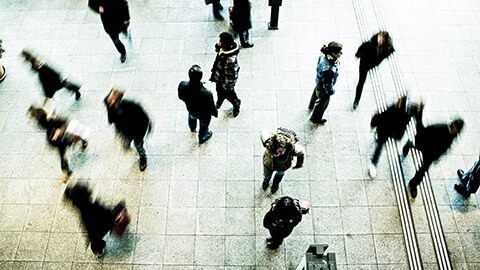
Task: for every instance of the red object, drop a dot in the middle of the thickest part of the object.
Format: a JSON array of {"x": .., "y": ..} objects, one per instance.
[{"x": 121, "y": 222}]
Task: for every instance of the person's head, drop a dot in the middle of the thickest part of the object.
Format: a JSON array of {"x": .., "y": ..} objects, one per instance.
[
  {"x": 382, "y": 38},
  {"x": 114, "y": 97},
  {"x": 79, "y": 194},
  {"x": 279, "y": 144},
  {"x": 286, "y": 206},
  {"x": 333, "y": 51},
  {"x": 455, "y": 126},
  {"x": 37, "y": 113},
  {"x": 226, "y": 41},
  {"x": 29, "y": 57},
  {"x": 195, "y": 73}
]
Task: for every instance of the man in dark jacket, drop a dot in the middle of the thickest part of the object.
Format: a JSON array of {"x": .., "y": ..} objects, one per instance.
[
  {"x": 199, "y": 103},
  {"x": 283, "y": 216},
  {"x": 469, "y": 181},
  {"x": 242, "y": 21},
  {"x": 115, "y": 19},
  {"x": 97, "y": 219},
  {"x": 371, "y": 54},
  {"x": 433, "y": 141},
  {"x": 49, "y": 78},
  {"x": 392, "y": 123},
  {"x": 225, "y": 71},
  {"x": 130, "y": 120}
]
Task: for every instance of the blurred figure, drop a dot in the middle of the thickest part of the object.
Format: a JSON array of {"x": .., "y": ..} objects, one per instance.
[
  {"x": 280, "y": 149},
  {"x": 97, "y": 219},
  {"x": 115, "y": 19},
  {"x": 61, "y": 132},
  {"x": 327, "y": 73},
  {"x": 216, "y": 8},
  {"x": 433, "y": 141},
  {"x": 130, "y": 121},
  {"x": 283, "y": 216},
  {"x": 392, "y": 123},
  {"x": 371, "y": 54},
  {"x": 242, "y": 21},
  {"x": 199, "y": 101},
  {"x": 469, "y": 181},
  {"x": 49, "y": 78},
  {"x": 225, "y": 71}
]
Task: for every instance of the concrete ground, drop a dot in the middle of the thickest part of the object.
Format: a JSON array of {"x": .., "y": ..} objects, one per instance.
[{"x": 202, "y": 206}]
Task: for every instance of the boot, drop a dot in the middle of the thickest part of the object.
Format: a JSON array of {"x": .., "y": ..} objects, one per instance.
[{"x": 236, "y": 108}]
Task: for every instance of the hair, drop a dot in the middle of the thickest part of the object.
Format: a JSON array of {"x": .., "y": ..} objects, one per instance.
[
  {"x": 279, "y": 140},
  {"x": 227, "y": 40},
  {"x": 37, "y": 113},
  {"x": 36, "y": 64},
  {"x": 457, "y": 125},
  {"x": 195, "y": 73},
  {"x": 333, "y": 47},
  {"x": 117, "y": 95},
  {"x": 386, "y": 36},
  {"x": 286, "y": 206}
]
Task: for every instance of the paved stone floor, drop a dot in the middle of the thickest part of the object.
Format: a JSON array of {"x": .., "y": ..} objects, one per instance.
[{"x": 201, "y": 206}]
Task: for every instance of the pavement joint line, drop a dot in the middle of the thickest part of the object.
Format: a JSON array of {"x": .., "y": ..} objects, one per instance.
[
  {"x": 408, "y": 228},
  {"x": 428, "y": 197}
]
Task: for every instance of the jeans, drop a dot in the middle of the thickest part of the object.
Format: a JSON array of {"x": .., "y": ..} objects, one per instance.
[
  {"x": 267, "y": 175},
  {"x": 204, "y": 123}
]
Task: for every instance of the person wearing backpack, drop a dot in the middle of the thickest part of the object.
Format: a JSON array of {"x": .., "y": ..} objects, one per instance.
[{"x": 280, "y": 149}]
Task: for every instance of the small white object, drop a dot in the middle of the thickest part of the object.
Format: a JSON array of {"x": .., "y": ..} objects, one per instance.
[{"x": 372, "y": 170}]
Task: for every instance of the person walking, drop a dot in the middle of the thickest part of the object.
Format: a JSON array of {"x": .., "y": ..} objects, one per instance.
[
  {"x": 280, "y": 149},
  {"x": 371, "y": 54},
  {"x": 433, "y": 141},
  {"x": 98, "y": 219},
  {"x": 130, "y": 121},
  {"x": 283, "y": 216},
  {"x": 225, "y": 71},
  {"x": 115, "y": 18},
  {"x": 199, "y": 102},
  {"x": 216, "y": 8},
  {"x": 241, "y": 20},
  {"x": 392, "y": 123},
  {"x": 327, "y": 73},
  {"x": 469, "y": 180},
  {"x": 61, "y": 133},
  {"x": 50, "y": 79}
]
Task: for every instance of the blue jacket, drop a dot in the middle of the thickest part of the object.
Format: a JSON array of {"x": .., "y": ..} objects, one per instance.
[{"x": 327, "y": 74}]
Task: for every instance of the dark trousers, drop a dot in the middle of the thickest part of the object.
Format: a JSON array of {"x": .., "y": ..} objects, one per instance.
[
  {"x": 376, "y": 155},
  {"x": 362, "y": 77},
  {"x": 204, "y": 123},
  {"x": 229, "y": 95},
  {"x": 73, "y": 87},
  {"x": 278, "y": 235},
  {"x": 319, "y": 103},
  {"x": 118, "y": 44},
  {"x": 418, "y": 177},
  {"x": 216, "y": 6},
  {"x": 244, "y": 37}
]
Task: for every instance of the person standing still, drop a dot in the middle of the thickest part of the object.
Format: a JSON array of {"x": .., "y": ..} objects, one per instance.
[
  {"x": 199, "y": 102},
  {"x": 115, "y": 19},
  {"x": 216, "y": 8},
  {"x": 242, "y": 21},
  {"x": 225, "y": 71},
  {"x": 327, "y": 73},
  {"x": 371, "y": 54}
]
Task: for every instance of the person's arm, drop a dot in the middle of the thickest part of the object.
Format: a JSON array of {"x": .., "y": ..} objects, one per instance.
[
  {"x": 361, "y": 50},
  {"x": 125, "y": 13},
  {"x": 213, "y": 109},
  {"x": 327, "y": 80},
  {"x": 300, "y": 154}
]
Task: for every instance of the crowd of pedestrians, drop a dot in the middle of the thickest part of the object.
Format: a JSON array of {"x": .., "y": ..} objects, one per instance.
[{"x": 281, "y": 149}]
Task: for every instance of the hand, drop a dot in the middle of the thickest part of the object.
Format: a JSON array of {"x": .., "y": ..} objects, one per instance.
[
  {"x": 295, "y": 167},
  {"x": 100, "y": 9},
  {"x": 125, "y": 22}
]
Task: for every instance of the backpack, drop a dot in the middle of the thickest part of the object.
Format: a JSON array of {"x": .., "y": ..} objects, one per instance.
[{"x": 290, "y": 133}]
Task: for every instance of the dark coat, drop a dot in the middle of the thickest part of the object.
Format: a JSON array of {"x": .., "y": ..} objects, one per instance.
[
  {"x": 199, "y": 100},
  {"x": 50, "y": 79},
  {"x": 433, "y": 141},
  {"x": 370, "y": 55},
  {"x": 241, "y": 17},
  {"x": 129, "y": 119},
  {"x": 281, "y": 224},
  {"x": 225, "y": 68},
  {"x": 114, "y": 15},
  {"x": 391, "y": 123}
]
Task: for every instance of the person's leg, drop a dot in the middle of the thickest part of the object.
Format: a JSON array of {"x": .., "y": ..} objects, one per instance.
[
  {"x": 267, "y": 175},
  {"x": 319, "y": 108},
  {"x": 203, "y": 133},
  {"x": 127, "y": 32},
  {"x": 276, "y": 180},
  {"x": 231, "y": 96},
  {"x": 119, "y": 45},
  {"x": 216, "y": 9},
  {"x": 376, "y": 155},
  {"x": 72, "y": 87},
  {"x": 418, "y": 177},
  {"x": 313, "y": 99},
  {"x": 362, "y": 77},
  {"x": 192, "y": 123},
  {"x": 221, "y": 95},
  {"x": 139, "y": 144}
]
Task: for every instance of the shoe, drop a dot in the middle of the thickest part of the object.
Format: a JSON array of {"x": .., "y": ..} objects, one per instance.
[
  {"x": 274, "y": 188},
  {"x": 84, "y": 144},
  {"x": 209, "y": 135},
  {"x": 236, "y": 111},
  {"x": 460, "y": 173},
  {"x": 413, "y": 190},
  {"x": 321, "y": 122},
  {"x": 66, "y": 175},
  {"x": 77, "y": 96},
  {"x": 355, "y": 105},
  {"x": 264, "y": 185},
  {"x": 143, "y": 164},
  {"x": 247, "y": 45},
  {"x": 123, "y": 58},
  {"x": 100, "y": 255},
  {"x": 372, "y": 170},
  {"x": 462, "y": 190}
]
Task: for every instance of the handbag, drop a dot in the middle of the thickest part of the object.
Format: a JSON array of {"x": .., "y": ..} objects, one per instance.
[{"x": 120, "y": 224}]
